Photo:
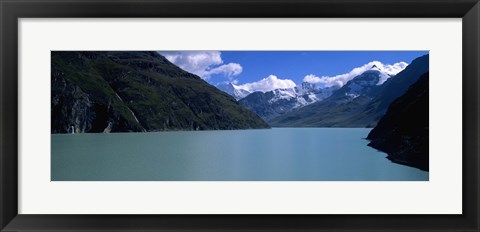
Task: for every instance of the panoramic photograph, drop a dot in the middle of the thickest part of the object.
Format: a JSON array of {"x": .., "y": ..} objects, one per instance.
[{"x": 239, "y": 115}]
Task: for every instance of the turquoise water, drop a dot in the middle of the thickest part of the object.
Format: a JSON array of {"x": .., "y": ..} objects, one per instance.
[{"x": 279, "y": 154}]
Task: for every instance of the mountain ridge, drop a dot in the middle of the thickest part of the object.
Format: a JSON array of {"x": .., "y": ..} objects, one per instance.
[
  {"x": 277, "y": 102},
  {"x": 346, "y": 108},
  {"x": 137, "y": 91}
]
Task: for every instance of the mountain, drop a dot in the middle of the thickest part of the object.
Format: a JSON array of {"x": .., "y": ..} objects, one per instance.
[
  {"x": 359, "y": 103},
  {"x": 395, "y": 87},
  {"x": 277, "y": 102},
  {"x": 136, "y": 91},
  {"x": 234, "y": 90},
  {"x": 403, "y": 131},
  {"x": 365, "y": 84},
  {"x": 336, "y": 109}
]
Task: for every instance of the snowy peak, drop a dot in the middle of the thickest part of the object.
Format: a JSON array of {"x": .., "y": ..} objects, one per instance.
[
  {"x": 375, "y": 67},
  {"x": 234, "y": 90},
  {"x": 387, "y": 71},
  {"x": 375, "y": 70},
  {"x": 362, "y": 85},
  {"x": 271, "y": 104},
  {"x": 283, "y": 94},
  {"x": 304, "y": 94},
  {"x": 238, "y": 92}
]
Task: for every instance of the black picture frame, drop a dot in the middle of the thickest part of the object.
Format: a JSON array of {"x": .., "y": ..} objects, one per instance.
[{"x": 12, "y": 10}]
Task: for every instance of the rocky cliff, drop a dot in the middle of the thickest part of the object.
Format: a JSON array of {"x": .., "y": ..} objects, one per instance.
[
  {"x": 403, "y": 131},
  {"x": 136, "y": 91}
]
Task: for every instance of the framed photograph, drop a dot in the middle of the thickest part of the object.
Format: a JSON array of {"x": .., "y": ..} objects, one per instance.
[{"x": 239, "y": 116}]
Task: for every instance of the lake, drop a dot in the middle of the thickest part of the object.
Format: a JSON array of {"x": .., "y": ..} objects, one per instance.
[{"x": 278, "y": 154}]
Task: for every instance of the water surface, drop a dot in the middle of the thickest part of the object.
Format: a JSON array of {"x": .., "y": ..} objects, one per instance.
[{"x": 279, "y": 154}]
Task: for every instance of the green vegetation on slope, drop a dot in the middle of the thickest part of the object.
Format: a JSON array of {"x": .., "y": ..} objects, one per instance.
[{"x": 137, "y": 91}]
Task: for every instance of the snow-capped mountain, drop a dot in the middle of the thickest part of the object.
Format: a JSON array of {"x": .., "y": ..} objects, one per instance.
[
  {"x": 273, "y": 103},
  {"x": 361, "y": 102},
  {"x": 386, "y": 70},
  {"x": 385, "y": 74},
  {"x": 363, "y": 84},
  {"x": 234, "y": 90},
  {"x": 272, "y": 83}
]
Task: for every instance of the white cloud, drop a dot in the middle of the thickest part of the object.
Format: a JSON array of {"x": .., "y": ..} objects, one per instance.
[
  {"x": 229, "y": 70},
  {"x": 339, "y": 80},
  {"x": 203, "y": 63},
  {"x": 267, "y": 84}
]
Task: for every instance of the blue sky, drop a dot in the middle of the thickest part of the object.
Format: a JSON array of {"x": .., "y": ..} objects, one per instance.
[{"x": 242, "y": 67}]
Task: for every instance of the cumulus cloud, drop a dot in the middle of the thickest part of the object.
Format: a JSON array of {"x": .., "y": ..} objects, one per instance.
[
  {"x": 267, "y": 84},
  {"x": 386, "y": 71},
  {"x": 203, "y": 63}
]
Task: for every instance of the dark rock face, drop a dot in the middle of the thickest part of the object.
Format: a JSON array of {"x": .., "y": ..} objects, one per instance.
[
  {"x": 359, "y": 103},
  {"x": 137, "y": 91},
  {"x": 403, "y": 132},
  {"x": 364, "y": 84},
  {"x": 74, "y": 103},
  {"x": 262, "y": 104},
  {"x": 396, "y": 87}
]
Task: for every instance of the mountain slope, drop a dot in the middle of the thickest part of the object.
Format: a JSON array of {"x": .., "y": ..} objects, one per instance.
[
  {"x": 339, "y": 109},
  {"x": 396, "y": 86},
  {"x": 277, "y": 102},
  {"x": 403, "y": 132},
  {"x": 359, "y": 103},
  {"x": 136, "y": 91},
  {"x": 233, "y": 90}
]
